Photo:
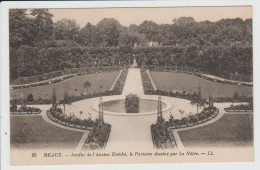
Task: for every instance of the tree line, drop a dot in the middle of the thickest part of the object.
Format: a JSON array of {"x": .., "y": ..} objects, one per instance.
[{"x": 39, "y": 45}]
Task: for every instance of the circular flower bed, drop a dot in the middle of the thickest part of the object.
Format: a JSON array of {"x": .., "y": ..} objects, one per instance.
[{"x": 58, "y": 116}]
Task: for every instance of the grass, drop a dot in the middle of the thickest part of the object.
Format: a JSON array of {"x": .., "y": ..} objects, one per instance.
[
  {"x": 231, "y": 130},
  {"x": 189, "y": 83},
  {"x": 99, "y": 82},
  {"x": 29, "y": 132}
]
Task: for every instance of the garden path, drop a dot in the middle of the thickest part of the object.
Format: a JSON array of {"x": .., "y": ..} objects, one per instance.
[
  {"x": 130, "y": 132},
  {"x": 133, "y": 83}
]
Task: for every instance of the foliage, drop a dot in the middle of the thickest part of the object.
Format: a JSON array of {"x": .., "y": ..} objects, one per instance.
[
  {"x": 147, "y": 84},
  {"x": 193, "y": 119},
  {"x": 132, "y": 103},
  {"x": 13, "y": 108},
  {"x": 66, "y": 29},
  {"x": 222, "y": 48},
  {"x": 71, "y": 119},
  {"x": 162, "y": 137},
  {"x": 241, "y": 107},
  {"x": 30, "y": 98},
  {"x": 98, "y": 136},
  {"x": 118, "y": 88},
  {"x": 24, "y": 108}
]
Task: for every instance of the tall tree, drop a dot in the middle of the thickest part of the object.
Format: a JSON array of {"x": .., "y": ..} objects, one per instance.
[
  {"x": 43, "y": 24},
  {"x": 66, "y": 29},
  {"x": 19, "y": 28},
  {"x": 109, "y": 30}
]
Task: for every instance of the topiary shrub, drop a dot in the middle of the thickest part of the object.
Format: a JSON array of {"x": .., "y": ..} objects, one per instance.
[
  {"x": 132, "y": 103},
  {"x": 30, "y": 98}
]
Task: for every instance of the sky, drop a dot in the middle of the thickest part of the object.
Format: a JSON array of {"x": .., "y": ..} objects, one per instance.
[{"x": 128, "y": 16}]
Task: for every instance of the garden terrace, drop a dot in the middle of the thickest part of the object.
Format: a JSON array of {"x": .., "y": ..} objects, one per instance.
[
  {"x": 99, "y": 82},
  {"x": 235, "y": 79},
  {"x": 169, "y": 81},
  {"x": 58, "y": 76},
  {"x": 29, "y": 132},
  {"x": 232, "y": 130}
]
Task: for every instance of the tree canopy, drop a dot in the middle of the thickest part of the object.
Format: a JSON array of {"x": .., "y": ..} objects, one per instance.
[{"x": 38, "y": 45}]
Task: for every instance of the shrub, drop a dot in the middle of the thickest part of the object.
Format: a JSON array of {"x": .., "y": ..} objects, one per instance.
[
  {"x": 30, "y": 98},
  {"x": 132, "y": 103}
]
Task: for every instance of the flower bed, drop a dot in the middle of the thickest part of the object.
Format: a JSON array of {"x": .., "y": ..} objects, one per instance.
[
  {"x": 98, "y": 137},
  {"x": 118, "y": 88},
  {"x": 162, "y": 136},
  {"x": 239, "y": 108},
  {"x": 58, "y": 116},
  {"x": 183, "y": 95},
  {"x": 205, "y": 115},
  {"x": 147, "y": 84},
  {"x": 24, "y": 110},
  {"x": 99, "y": 133},
  {"x": 132, "y": 103},
  {"x": 231, "y": 99},
  {"x": 34, "y": 102},
  {"x": 42, "y": 83}
]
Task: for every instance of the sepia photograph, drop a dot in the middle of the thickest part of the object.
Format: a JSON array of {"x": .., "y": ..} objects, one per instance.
[{"x": 131, "y": 85}]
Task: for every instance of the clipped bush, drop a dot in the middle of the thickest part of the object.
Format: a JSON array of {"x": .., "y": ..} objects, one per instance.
[{"x": 132, "y": 103}]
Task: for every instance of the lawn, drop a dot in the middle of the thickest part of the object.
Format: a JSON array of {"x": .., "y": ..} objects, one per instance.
[
  {"x": 99, "y": 82},
  {"x": 231, "y": 130},
  {"x": 189, "y": 83},
  {"x": 29, "y": 132}
]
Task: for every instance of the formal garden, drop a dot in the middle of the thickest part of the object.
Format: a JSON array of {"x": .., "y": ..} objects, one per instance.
[{"x": 109, "y": 81}]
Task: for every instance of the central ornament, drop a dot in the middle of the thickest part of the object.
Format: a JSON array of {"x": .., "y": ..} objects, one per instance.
[{"x": 132, "y": 103}]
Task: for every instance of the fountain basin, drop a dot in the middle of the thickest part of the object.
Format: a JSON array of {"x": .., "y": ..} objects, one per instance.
[{"x": 116, "y": 107}]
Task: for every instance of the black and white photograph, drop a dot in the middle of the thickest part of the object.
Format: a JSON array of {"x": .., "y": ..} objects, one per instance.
[{"x": 131, "y": 85}]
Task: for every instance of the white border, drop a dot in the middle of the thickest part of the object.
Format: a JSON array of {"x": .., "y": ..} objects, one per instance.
[{"x": 4, "y": 78}]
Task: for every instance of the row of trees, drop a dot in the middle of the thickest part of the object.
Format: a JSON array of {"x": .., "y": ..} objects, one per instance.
[
  {"x": 29, "y": 27},
  {"x": 39, "y": 45}
]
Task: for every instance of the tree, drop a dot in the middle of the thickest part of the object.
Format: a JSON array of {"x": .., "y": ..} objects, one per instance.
[
  {"x": 66, "y": 29},
  {"x": 131, "y": 38},
  {"x": 149, "y": 29},
  {"x": 183, "y": 21},
  {"x": 109, "y": 30},
  {"x": 20, "y": 31},
  {"x": 20, "y": 63},
  {"x": 26, "y": 61},
  {"x": 87, "y": 35},
  {"x": 43, "y": 24}
]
